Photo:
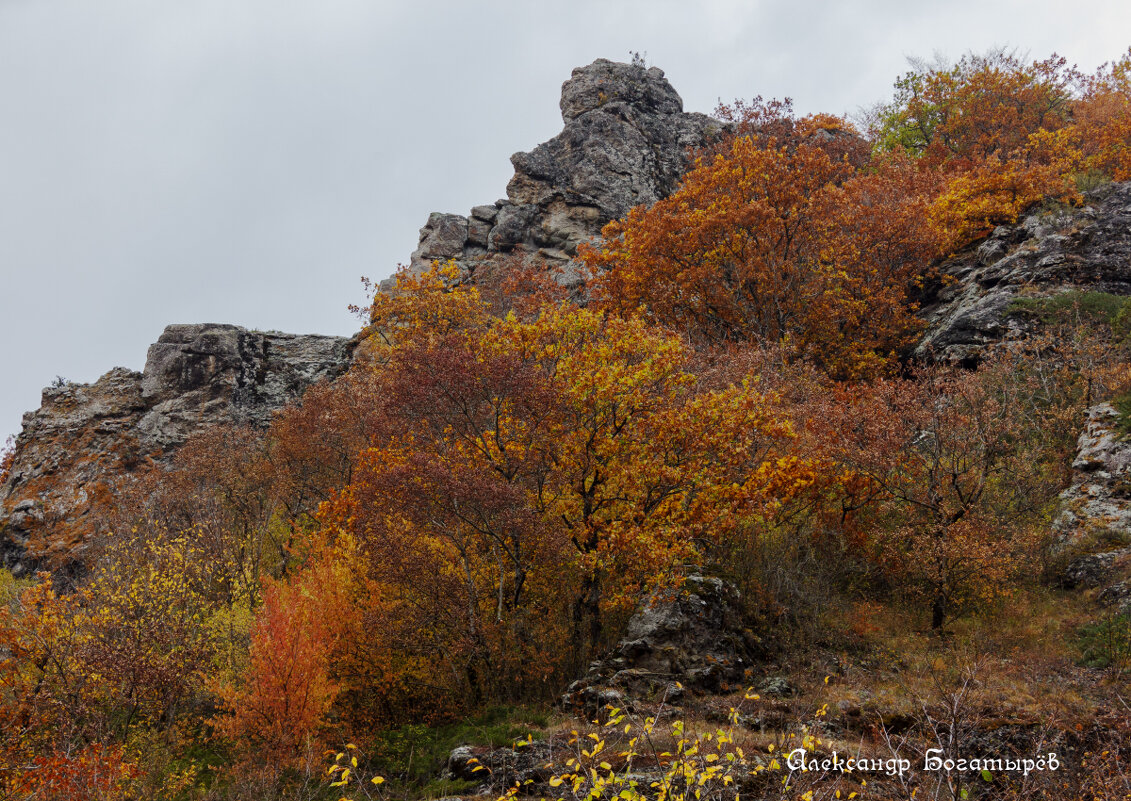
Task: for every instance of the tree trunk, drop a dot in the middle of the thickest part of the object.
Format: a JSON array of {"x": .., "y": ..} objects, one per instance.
[
  {"x": 938, "y": 612},
  {"x": 588, "y": 605}
]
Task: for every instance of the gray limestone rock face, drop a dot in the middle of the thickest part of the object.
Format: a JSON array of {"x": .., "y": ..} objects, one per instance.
[
  {"x": 196, "y": 375},
  {"x": 1092, "y": 570},
  {"x": 1117, "y": 596},
  {"x": 1095, "y": 511},
  {"x": 1099, "y": 499},
  {"x": 626, "y": 142},
  {"x": 83, "y": 435},
  {"x": 511, "y": 227},
  {"x": 443, "y": 237},
  {"x": 1047, "y": 252}
]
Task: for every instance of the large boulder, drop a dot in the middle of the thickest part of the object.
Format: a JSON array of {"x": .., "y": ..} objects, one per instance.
[{"x": 686, "y": 638}]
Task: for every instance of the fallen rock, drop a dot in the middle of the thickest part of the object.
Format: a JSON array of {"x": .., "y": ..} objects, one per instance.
[
  {"x": 776, "y": 685},
  {"x": 498, "y": 769}
]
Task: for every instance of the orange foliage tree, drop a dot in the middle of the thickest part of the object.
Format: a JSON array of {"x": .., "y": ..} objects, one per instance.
[
  {"x": 956, "y": 472},
  {"x": 1103, "y": 117},
  {"x": 780, "y": 237},
  {"x": 981, "y": 107},
  {"x": 1005, "y": 133},
  {"x": 280, "y": 702}
]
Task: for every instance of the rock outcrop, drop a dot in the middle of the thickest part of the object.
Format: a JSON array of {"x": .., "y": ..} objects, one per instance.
[
  {"x": 1047, "y": 252},
  {"x": 195, "y": 376},
  {"x": 1095, "y": 511},
  {"x": 691, "y": 637},
  {"x": 626, "y": 142},
  {"x": 496, "y": 770}
]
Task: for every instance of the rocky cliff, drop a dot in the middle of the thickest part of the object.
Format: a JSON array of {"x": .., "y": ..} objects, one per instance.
[
  {"x": 1050, "y": 250},
  {"x": 626, "y": 142},
  {"x": 84, "y": 434}
]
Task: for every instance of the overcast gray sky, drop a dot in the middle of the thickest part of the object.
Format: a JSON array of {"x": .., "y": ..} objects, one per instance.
[{"x": 246, "y": 161}]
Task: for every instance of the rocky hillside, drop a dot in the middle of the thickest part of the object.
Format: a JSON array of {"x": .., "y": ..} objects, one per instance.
[
  {"x": 84, "y": 434},
  {"x": 625, "y": 142}
]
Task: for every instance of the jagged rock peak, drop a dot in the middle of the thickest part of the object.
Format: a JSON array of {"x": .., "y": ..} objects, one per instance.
[
  {"x": 604, "y": 82},
  {"x": 626, "y": 142},
  {"x": 83, "y": 435}
]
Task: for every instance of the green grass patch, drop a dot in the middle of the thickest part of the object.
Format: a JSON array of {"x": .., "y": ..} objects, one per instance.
[
  {"x": 10, "y": 586},
  {"x": 1091, "y": 179},
  {"x": 413, "y": 756},
  {"x": 1076, "y": 306},
  {"x": 1106, "y": 644}
]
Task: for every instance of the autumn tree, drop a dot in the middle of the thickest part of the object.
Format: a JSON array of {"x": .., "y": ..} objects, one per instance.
[
  {"x": 998, "y": 130},
  {"x": 983, "y": 106},
  {"x": 532, "y": 475},
  {"x": 1103, "y": 118},
  {"x": 278, "y": 706},
  {"x": 149, "y": 627},
  {"x": 958, "y": 470},
  {"x": 782, "y": 240},
  {"x": 312, "y": 446},
  {"x": 54, "y": 735}
]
